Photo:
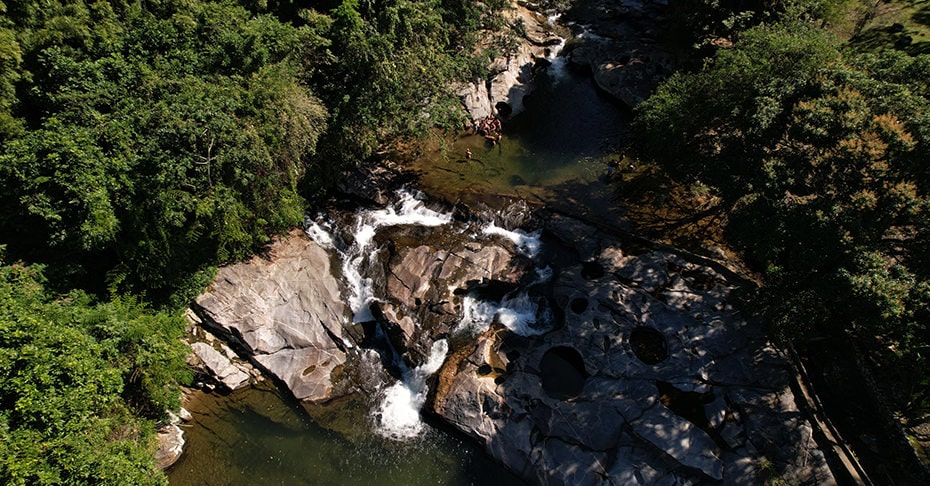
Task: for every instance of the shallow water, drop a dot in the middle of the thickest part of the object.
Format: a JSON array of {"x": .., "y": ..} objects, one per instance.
[
  {"x": 556, "y": 152},
  {"x": 255, "y": 436}
]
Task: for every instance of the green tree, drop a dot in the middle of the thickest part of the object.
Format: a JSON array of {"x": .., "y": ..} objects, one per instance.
[
  {"x": 819, "y": 159},
  {"x": 161, "y": 144},
  {"x": 77, "y": 380}
]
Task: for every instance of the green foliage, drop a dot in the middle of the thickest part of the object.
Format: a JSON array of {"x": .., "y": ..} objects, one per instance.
[
  {"x": 701, "y": 23},
  {"x": 409, "y": 52},
  {"x": 170, "y": 141},
  {"x": 142, "y": 144},
  {"x": 819, "y": 157},
  {"x": 75, "y": 380}
]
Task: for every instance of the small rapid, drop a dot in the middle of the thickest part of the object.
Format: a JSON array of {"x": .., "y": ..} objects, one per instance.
[
  {"x": 356, "y": 258},
  {"x": 398, "y": 415}
]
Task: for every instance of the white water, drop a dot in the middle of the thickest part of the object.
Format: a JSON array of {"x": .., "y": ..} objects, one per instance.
[
  {"x": 408, "y": 210},
  {"x": 518, "y": 314},
  {"x": 558, "y": 67},
  {"x": 398, "y": 416},
  {"x": 528, "y": 243},
  {"x": 322, "y": 236}
]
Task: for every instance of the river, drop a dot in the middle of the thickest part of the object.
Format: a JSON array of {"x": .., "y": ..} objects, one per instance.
[{"x": 554, "y": 153}]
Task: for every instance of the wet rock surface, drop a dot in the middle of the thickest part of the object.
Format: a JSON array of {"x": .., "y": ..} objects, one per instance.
[{"x": 647, "y": 374}]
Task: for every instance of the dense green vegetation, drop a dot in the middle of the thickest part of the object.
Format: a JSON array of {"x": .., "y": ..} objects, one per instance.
[
  {"x": 74, "y": 378},
  {"x": 818, "y": 154},
  {"x": 144, "y": 143}
]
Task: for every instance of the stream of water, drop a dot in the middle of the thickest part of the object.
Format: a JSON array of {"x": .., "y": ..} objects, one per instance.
[{"x": 555, "y": 152}]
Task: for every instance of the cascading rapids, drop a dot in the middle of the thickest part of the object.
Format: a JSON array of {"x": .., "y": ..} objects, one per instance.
[
  {"x": 408, "y": 210},
  {"x": 397, "y": 416},
  {"x": 528, "y": 243}
]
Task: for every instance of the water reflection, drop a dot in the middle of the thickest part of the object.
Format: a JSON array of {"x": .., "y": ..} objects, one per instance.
[
  {"x": 555, "y": 152},
  {"x": 256, "y": 436}
]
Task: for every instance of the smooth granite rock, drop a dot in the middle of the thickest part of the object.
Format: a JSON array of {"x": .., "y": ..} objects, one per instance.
[{"x": 286, "y": 311}]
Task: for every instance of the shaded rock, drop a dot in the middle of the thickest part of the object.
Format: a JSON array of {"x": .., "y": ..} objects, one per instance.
[
  {"x": 631, "y": 83},
  {"x": 220, "y": 366},
  {"x": 724, "y": 388},
  {"x": 678, "y": 438},
  {"x": 617, "y": 46}
]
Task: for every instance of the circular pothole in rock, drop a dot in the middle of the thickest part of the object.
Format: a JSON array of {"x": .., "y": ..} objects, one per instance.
[
  {"x": 562, "y": 372},
  {"x": 592, "y": 270},
  {"x": 649, "y": 345},
  {"x": 578, "y": 305}
]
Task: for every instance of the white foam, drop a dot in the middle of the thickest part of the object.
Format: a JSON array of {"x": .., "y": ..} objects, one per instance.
[
  {"x": 518, "y": 314},
  {"x": 528, "y": 243},
  {"x": 407, "y": 211},
  {"x": 558, "y": 67},
  {"x": 320, "y": 235},
  {"x": 398, "y": 416}
]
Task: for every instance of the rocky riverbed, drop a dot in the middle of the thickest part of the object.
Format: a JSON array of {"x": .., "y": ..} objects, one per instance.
[
  {"x": 571, "y": 355},
  {"x": 631, "y": 366}
]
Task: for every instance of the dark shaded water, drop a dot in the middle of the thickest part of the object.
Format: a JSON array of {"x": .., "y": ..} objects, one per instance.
[{"x": 555, "y": 152}]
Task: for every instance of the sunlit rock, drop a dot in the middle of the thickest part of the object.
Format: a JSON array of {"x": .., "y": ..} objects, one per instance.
[
  {"x": 220, "y": 366},
  {"x": 286, "y": 311},
  {"x": 170, "y": 445}
]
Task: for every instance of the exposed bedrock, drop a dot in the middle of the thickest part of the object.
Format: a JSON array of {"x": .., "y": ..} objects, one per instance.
[
  {"x": 649, "y": 375},
  {"x": 653, "y": 378}
]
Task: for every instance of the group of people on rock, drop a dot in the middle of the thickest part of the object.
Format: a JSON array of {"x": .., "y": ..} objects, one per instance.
[{"x": 490, "y": 128}]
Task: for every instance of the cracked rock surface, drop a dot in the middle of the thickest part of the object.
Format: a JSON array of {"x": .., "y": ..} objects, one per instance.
[
  {"x": 648, "y": 374},
  {"x": 708, "y": 403}
]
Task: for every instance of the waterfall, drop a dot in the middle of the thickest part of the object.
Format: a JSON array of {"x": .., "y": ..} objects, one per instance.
[
  {"x": 527, "y": 243},
  {"x": 398, "y": 416},
  {"x": 558, "y": 65},
  {"x": 320, "y": 233},
  {"x": 408, "y": 210},
  {"x": 520, "y": 312}
]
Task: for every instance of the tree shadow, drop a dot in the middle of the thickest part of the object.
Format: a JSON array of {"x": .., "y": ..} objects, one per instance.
[{"x": 625, "y": 420}]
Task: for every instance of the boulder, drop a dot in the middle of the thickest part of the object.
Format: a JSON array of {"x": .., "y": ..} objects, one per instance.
[
  {"x": 512, "y": 75},
  {"x": 285, "y": 312},
  {"x": 631, "y": 83},
  {"x": 220, "y": 366},
  {"x": 170, "y": 445},
  {"x": 425, "y": 286}
]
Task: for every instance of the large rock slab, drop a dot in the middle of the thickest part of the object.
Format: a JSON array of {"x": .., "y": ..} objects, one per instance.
[
  {"x": 501, "y": 94},
  {"x": 286, "y": 311},
  {"x": 618, "y": 45},
  {"x": 650, "y": 376}
]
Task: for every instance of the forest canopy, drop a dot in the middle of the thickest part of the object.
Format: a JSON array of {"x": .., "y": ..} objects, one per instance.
[
  {"x": 818, "y": 155},
  {"x": 144, "y": 143}
]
